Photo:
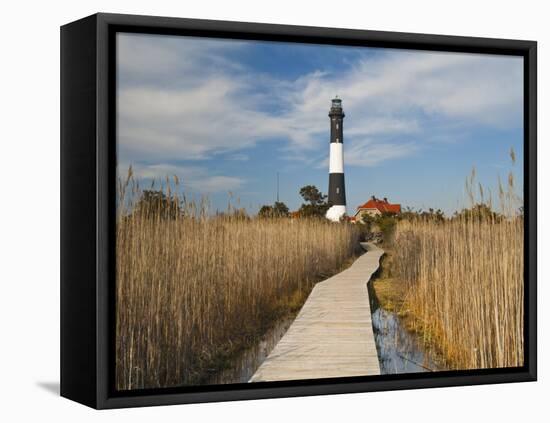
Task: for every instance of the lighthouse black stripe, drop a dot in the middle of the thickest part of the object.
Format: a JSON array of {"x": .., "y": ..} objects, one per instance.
[
  {"x": 336, "y": 128},
  {"x": 336, "y": 189}
]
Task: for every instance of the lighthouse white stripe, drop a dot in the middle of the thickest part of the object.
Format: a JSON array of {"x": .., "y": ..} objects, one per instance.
[{"x": 336, "y": 162}]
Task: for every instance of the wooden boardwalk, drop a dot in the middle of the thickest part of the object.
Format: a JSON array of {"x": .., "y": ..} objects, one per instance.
[{"x": 332, "y": 335}]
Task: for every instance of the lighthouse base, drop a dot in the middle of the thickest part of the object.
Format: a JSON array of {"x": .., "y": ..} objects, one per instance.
[{"x": 335, "y": 213}]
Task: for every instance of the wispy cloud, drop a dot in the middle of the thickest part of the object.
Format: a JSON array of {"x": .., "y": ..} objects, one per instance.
[
  {"x": 190, "y": 99},
  {"x": 368, "y": 153},
  {"x": 189, "y": 123},
  {"x": 240, "y": 157},
  {"x": 172, "y": 61},
  {"x": 191, "y": 178}
]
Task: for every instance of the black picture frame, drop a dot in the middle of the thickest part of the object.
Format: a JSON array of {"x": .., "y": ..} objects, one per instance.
[{"x": 87, "y": 208}]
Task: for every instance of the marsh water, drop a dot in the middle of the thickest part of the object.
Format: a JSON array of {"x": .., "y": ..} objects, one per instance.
[{"x": 399, "y": 350}]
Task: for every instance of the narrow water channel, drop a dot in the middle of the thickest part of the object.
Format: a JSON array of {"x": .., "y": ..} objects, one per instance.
[
  {"x": 399, "y": 350},
  {"x": 245, "y": 365}
]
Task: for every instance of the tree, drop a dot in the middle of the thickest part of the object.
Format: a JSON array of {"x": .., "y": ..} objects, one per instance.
[
  {"x": 316, "y": 204},
  {"x": 266, "y": 211},
  {"x": 386, "y": 222},
  {"x": 155, "y": 204},
  {"x": 368, "y": 220},
  {"x": 279, "y": 209},
  {"x": 312, "y": 195}
]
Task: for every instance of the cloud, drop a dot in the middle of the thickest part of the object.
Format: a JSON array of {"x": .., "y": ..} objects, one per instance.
[
  {"x": 421, "y": 92},
  {"x": 240, "y": 157},
  {"x": 192, "y": 99},
  {"x": 220, "y": 184},
  {"x": 171, "y": 61},
  {"x": 188, "y": 123},
  {"x": 367, "y": 153},
  {"x": 194, "y": 179}
]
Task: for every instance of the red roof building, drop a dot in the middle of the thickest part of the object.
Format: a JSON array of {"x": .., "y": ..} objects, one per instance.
[{"x": 375, "y": 207}]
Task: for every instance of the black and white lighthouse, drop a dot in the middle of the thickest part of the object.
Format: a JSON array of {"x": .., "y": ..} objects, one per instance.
[{"x": 336, "y": 184}]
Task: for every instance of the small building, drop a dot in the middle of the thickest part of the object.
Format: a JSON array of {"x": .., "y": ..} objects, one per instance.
[{"x": 376, "y": 207}]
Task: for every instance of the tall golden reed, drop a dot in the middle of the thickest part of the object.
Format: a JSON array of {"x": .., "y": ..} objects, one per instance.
[
  {"x": 465, "y": 281},
  {"x": 194, "y": 287}
]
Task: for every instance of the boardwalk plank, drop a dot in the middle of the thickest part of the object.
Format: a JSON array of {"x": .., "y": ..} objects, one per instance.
[{"x": 332, "y": 335}]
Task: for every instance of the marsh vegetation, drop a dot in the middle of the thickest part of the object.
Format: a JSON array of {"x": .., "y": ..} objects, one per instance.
[
  {"x": 458, "y": 281},
  {"x": 195, "y": 288}
]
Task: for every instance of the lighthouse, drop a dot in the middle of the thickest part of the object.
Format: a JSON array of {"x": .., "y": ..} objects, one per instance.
[{"x": 336, "y": 184}]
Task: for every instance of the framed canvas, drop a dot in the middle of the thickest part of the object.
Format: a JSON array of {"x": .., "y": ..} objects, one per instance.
[{"x": 221, "y": 241}]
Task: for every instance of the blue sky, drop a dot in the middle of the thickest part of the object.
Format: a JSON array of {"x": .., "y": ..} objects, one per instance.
[{"x": 227, "y": 115}]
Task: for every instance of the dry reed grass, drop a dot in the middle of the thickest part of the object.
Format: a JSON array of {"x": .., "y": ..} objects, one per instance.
[
  {"x": 464, "y": 279},
  {"x": 194, "y": 288}
]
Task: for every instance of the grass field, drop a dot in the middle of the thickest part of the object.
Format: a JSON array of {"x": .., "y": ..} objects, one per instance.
[
  {"x": 193, "y": 289},
  {"x": 464, "y": 281},
  {"x": 465, "y": 284}
]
